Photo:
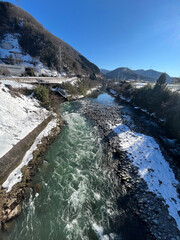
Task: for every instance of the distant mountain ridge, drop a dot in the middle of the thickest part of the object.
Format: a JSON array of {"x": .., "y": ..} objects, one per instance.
[
  {"x": 104, "y": 71},
  {"x": 152, "y": 74},
  {"x": 25, "y": 39},
  {"x": 124, "y": 73}
]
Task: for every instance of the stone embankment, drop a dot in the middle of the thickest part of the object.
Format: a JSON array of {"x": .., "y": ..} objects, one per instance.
[
  {"x": 137, "y": 198},
  {"x": 13, "y": 158},
  {"x": 11, "y": 202}
]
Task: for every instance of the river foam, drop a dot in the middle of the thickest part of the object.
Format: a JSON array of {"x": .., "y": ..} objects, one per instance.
[{"x": 77, "y": 194}]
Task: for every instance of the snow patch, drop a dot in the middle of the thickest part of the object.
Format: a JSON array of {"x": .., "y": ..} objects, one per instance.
[
  {"x": 15, "y": 84},
  {"x": 139, "y": 84},
  {"x": 125, "y": 99},
  {"x": 16, "y": 174},
  {"x": 15, "y": 50},
  {"x": 92, "y": 90},
  {"x": 144, "y": 110},
  {"x": 145, "y": 153},
  {"x": 113, "y": 92},
  {"x": 43, "y": 70},
  {"x": 72, "y": 81},
  {"x": 10, "y": 46},
  {"x": 75, "y": 97},
  {"x": 18, "y": 117}
]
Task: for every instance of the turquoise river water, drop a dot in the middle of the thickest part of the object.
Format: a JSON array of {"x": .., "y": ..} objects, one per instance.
[{"x": 77, "y": 200}]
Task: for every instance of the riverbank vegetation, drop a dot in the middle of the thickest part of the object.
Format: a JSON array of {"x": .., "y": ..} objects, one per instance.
[
  {"x": 157, "y": 100},
  {"x": 42, "y": 94},
  {"x": 80, "y": 87}
]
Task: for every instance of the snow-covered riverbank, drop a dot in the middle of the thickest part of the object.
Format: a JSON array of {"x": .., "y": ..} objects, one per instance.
[
  {"x": 144, "y": 172},
  {"x": 145, "y": 154},
  {"x": 19, "y": 115},
  {"x": 26, "y": 130},
  {"x": 16, "y": 175},
  {"x": 152, "y": 167}
]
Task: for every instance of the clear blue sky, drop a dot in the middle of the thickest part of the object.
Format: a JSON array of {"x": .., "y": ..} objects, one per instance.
[{"x": 115, "y": 33}]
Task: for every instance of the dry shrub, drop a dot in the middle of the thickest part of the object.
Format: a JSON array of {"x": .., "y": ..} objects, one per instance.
[{"x": 4, "y": 71}]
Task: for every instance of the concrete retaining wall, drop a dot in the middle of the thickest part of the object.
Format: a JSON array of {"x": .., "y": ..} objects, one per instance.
[{"x": 15, "y": 70}]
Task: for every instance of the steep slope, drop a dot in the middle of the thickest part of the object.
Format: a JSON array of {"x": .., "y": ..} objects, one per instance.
[
  {"x": 126, "y": 74},
  {"x": 34, "y": 45},
  {"x": 153, "y": 74}
]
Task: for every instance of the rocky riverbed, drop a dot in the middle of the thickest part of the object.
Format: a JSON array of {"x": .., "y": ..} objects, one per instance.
[
  {"x": 149, "y": 206},
  {"x": 104, "y": 175}
]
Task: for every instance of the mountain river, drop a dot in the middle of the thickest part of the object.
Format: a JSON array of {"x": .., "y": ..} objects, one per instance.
[{"x": 78, "y": 197}]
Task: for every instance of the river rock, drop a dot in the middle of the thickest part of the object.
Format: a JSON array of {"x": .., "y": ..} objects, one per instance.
[
  {"x": 11, "y": 203},
  {"x": 148, "y": 207},
  {"x": 37, "y": 187},
  {"x": 14, "y": 213}
]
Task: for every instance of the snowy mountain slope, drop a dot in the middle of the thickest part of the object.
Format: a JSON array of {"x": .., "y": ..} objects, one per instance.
[
  {"x": 38, "y": 44},
  {"x": 10, "y": 49}
]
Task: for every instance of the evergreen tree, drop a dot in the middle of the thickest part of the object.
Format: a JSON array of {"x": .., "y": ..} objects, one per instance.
[{"x": 161, "y": 80}]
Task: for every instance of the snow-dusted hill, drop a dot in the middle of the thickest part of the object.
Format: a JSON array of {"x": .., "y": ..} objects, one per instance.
[{"x": 28, "y": 42}]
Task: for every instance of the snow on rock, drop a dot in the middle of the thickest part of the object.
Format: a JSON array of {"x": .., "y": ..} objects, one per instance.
[
  {"x": 18, "y": 117},
  {"x": 125, "y": 99},
  {"x": 72, "y": 80},
  {"x": 92, "y": 90},
  {"x": 75, "y": 97},
  {"x": 43, "y": 70},
  {"x": 16, "y": 175},
  {"x": 136, "y": 107},
  {"x": 113, "y": 92},
  {"x": 144, "y": 110},
  {"x": 152, "y": 166}
]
